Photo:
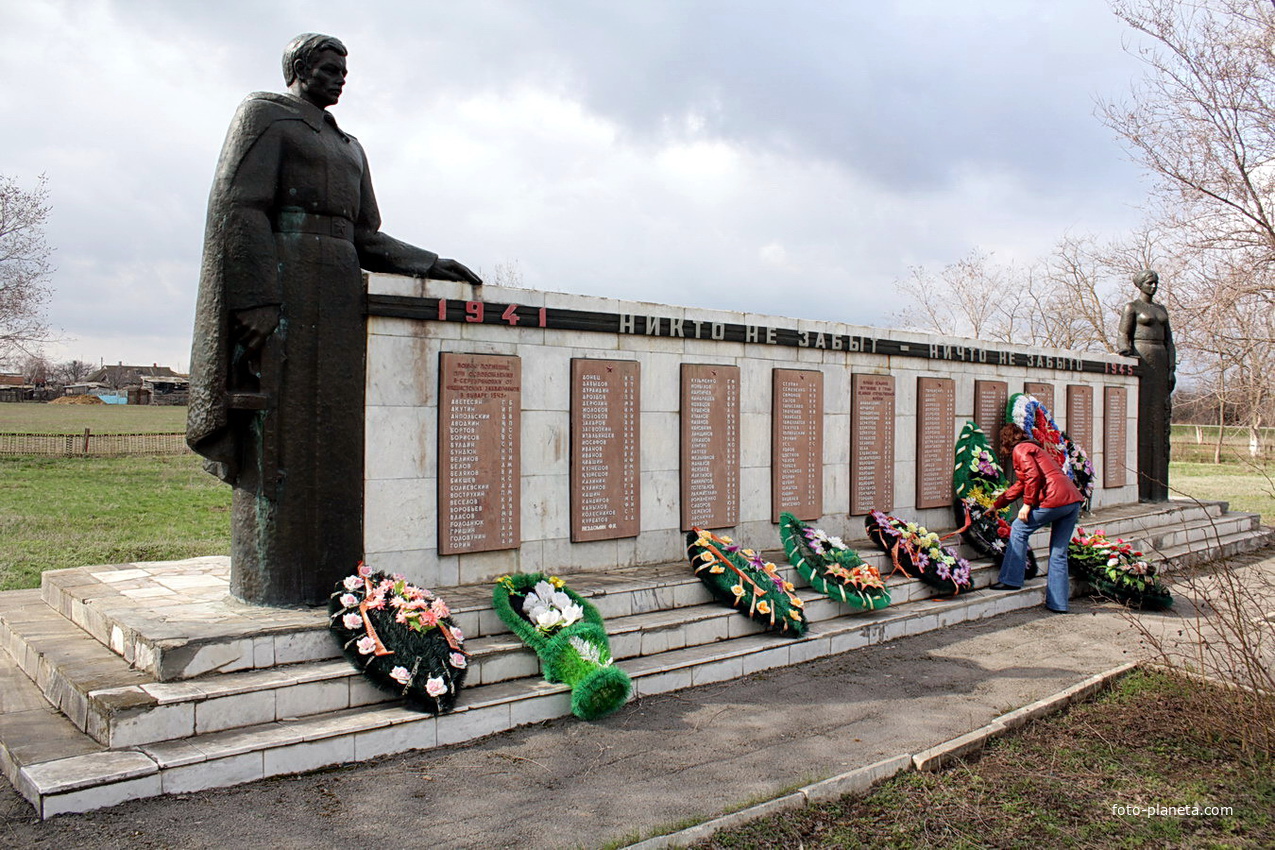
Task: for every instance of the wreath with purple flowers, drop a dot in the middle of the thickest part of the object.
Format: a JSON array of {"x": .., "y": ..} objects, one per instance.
[
  {"x": 831, "y": 567},
  {"x": 401, "y": 637},
  {"x": 918, "y": 553}
]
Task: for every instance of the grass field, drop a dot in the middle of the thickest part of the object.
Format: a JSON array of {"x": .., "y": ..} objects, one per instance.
[
  {"x": 99, "y": 418},
  {"x": 1059, "y": 783},
  {"x": 71, "y": 512},
  {"x": 1245, "y": 486}
]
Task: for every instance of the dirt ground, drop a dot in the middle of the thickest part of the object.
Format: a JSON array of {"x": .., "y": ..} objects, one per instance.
[{"x": 671, "y": 759}]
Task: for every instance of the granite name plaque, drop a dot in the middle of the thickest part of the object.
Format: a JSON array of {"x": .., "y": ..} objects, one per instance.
[
  {"x": 1080, "y": 415},
  {"x": 871, "y": 443},
  {"x": 1044, "y": 394},
  {"x": 935, "y": 417},
  {"x": 796, "y": 444},
  {"x": 990, "y": 398},
  {"x": 1115, "y": 401},
  {"x": 605, "y": 455},
  {"x": 479, "y": 453},
  {"x": 710, "y": 446}
]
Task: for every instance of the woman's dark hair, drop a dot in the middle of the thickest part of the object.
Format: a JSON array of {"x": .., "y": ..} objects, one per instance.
[{"x": 1010, "y": 436}]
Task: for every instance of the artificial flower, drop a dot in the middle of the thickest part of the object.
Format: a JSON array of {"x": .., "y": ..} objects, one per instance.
[
  {"x": 402, "y": 675},
  {"x": 435, "y": 686}
]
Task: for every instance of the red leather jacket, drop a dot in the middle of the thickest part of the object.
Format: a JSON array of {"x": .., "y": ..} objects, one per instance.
[{"x": 1041, "y": 482}]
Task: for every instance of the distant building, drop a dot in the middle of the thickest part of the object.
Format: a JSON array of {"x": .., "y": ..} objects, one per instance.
[
  {"x": 152, "y": 384},
  {"x": 15, "y": 388},
  {"x": 161, "y": 390},
  {"x": 83, "y": 388},
  {"x": 119, "y": 376}
]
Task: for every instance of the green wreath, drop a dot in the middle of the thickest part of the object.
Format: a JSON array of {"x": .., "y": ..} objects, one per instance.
[
  {"x": 742, "y": 579},
  {"x": 831, "y": 567},
  {"x": 573, "y": 649}
]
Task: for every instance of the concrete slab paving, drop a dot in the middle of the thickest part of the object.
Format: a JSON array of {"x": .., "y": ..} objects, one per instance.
[{"x": 661, "y": 760}]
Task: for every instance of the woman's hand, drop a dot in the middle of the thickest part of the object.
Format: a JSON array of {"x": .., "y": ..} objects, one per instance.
[{"x": 1024, "y": 513}]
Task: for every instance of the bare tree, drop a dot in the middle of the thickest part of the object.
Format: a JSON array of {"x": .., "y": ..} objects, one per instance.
[
  {"x": 1074, "y": 296},
  {"x": 506, "y": 273},
  {"x": 24, "y": 265},
  {"x": 972, "y": 297},
  {"x": 1070, "y": 299},
  {"x": 72, "y": 371},
  {"x": 1203, "y": 123},
  {"x": 36, "y": 368},
  {"x": 1229, "y": 329}
]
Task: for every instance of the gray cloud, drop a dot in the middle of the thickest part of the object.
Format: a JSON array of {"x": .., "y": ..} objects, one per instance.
[{"x": 790, "y": 158}]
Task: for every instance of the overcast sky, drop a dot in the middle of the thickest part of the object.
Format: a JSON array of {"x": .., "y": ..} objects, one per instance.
[{"x": 788, "y": 157}]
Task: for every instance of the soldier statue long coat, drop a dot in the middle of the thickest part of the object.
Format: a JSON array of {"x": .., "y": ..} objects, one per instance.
[{"x": 291, "y": 221}]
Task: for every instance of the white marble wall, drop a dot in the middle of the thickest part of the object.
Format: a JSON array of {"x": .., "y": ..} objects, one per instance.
[{"x": 402, "y": 428}]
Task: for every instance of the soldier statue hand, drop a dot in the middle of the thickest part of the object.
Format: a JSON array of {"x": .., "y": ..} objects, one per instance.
[
  {"x": 445, "y": 269},
  {"x": 254, "y": 325}
]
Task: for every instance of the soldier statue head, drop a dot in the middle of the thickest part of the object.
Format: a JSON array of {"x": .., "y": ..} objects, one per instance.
[{"x": 314, "y": 68}]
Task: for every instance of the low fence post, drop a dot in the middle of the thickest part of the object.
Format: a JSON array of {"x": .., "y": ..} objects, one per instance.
[{"x": 86, "y": 440}]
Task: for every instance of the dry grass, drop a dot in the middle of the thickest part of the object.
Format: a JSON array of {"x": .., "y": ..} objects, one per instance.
[
  {"x": 1055, "y": 785},
  {"x": 99, "y": 418}
]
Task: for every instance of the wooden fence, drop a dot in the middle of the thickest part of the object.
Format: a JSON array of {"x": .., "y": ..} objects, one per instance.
[{"x": 89, "y": 444}]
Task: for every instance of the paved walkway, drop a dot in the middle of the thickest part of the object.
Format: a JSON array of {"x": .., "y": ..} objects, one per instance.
[{"x": 671, "y": 759}]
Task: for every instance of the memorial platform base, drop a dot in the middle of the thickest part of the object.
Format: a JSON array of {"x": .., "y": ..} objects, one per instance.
[{"x": 134, "y": 680}]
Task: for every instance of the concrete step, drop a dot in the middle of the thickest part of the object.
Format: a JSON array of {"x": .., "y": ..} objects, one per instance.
[
  {"x": 1197, "y": 552},
  {"x": 1203, "y": 534},
  {"x": 229, "y": 637},
  {"x": 121, "y": 706},
  {"x": 97, "y": 777},
  {"x": 176, "y": 620},
  {"x": 33, "y": 731}
]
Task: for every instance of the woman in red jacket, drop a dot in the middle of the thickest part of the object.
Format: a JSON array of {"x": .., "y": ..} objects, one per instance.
[{"x": 1049, "y": 497}]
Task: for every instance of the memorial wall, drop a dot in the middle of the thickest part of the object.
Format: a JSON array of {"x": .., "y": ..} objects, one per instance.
[{"x": 511, "y": 430}]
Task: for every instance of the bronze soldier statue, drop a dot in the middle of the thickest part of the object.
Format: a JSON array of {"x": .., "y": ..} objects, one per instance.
[
  {"x": 278, "y": 359},
  {"x": 1145, "y": 334}
]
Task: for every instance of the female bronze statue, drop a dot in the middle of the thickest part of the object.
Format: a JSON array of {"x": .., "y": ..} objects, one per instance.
[{"x": 1145, "y": 334}]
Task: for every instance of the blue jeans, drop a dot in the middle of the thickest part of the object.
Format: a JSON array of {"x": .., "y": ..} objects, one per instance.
[{"x": 1062, "y": 522}]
